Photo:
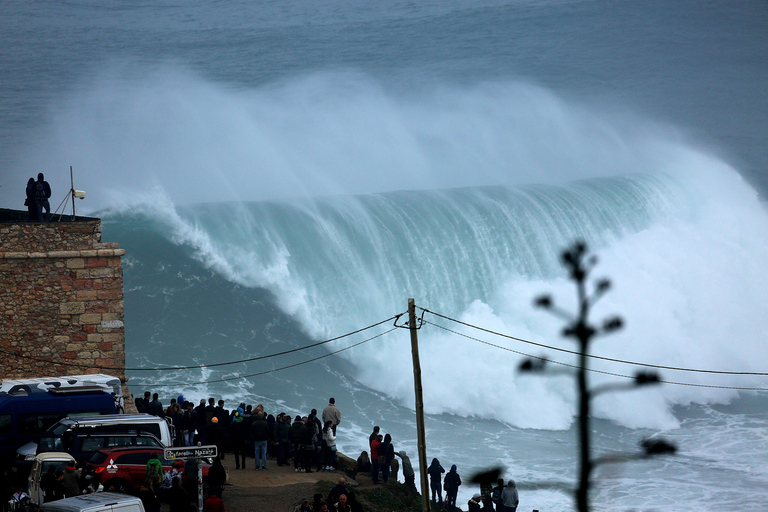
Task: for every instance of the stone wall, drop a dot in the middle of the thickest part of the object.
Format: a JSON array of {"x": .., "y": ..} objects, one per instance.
[{"x": 61, "y": 300}]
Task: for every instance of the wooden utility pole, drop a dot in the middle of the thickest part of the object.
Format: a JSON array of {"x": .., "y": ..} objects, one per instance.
[{"x": 421, "y": 436}]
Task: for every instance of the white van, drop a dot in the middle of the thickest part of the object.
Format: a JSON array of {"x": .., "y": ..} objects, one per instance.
[
  {"x": 96, "y": 502},
  {"x": 112, "y": 423},
  {"x": 40, "y": 466}
]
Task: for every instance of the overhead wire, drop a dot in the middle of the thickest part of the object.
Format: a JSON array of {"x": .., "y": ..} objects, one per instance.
[
  {"x": 592, "y": 356},
  {"x": 276, "y": 369},
  {"x": 210, "y": 365},
  {"x": 587, "y": 369}
]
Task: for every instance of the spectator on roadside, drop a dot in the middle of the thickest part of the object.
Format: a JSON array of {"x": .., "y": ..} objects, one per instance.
[
  {"x": 332, "y": 413},
  {"x": 296, "y": 435},
  {"x": 337, "y": 490},
  {"x": 304, "y": 506},
  {"x": 260, "y": 436},
  {"x": 330, "y": 443},
  {"x": 239, "y": 434}
]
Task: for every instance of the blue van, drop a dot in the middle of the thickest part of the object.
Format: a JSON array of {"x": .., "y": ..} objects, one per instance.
[{"x": 25, "y": 416}]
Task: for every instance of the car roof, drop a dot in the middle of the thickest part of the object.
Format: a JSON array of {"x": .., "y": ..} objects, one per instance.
[
  {"x": 85, "y": 502},
  {"x": 112, "y": 418},
  {"x": 114, "y": 449},
  {"x": 54, "y": 456}
]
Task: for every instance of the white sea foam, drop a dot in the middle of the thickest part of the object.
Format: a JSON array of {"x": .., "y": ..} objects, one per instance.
[{"x": 684, "y": 242}]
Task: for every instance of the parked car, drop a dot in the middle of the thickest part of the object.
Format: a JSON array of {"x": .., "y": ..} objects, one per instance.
[
  {"x": 111, "y": 423},
  {"x": 96, "y": 502},
  {"x": 42, "y": 463},
  {"x": 124, "y": 469},
  {"x": 83, "y": 445}
]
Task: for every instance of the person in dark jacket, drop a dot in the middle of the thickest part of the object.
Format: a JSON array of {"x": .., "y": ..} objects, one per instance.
[
  {"x": 42, "y": 193},
  {"x": 452, "y": 482},
  {"x": 155, "y": 407},
  {"x": 217, "y": 476},
  {"x": 177, "y": 497},
  {"x": 388, "y": 451},
  {"x": 30, "y": 202},
  {"x": 188, "y": 424},
  {"x": 260, "y": 436},
  {"x": 239, "y": 433},
  {"x": 296, "y": 435},
  {"x": 308, "y": 443},
  {"x": 281, "y": 435},
  {"x": 435, "y": 471}
]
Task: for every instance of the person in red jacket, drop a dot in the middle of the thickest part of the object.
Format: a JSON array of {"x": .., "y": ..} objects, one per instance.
[
  {"x": 214, "y": 503},
  {"x": 375, "y": 458}
]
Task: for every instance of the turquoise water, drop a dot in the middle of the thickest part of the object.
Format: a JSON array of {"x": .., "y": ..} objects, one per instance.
[{"x": 281, "y": 174}]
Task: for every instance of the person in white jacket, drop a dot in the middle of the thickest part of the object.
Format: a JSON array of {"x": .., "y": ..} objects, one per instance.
[
  {"x": 330, "y": 442},
  {"x": 509, "y": 497}
]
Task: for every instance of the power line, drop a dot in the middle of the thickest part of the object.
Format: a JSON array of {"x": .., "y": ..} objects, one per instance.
[
  {"x": 212, "y": 365},
  {"x": 587, "y": 369},
  {"x": 648, "y": 365},
  {"x": 275, "y": 369}
]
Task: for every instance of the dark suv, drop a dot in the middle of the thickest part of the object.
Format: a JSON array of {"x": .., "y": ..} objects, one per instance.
[
  {"x": 125, "y": 469},
  {"x": 83, "y": 445}
]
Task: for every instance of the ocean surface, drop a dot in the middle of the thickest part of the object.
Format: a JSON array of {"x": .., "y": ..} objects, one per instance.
[{"x": 286, "y": 173}]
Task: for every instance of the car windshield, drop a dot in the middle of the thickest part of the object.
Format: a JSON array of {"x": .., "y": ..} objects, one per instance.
[{"x": 57, "y": 465}]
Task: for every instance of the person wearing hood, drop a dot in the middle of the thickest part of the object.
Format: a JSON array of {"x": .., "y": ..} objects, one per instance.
[
  {"x": 473, "y": 505},
  {"x": 451, "y": 482},
  {"x": 408, "y": 473},
  {"x": 435, "y": 472},
  {"x": 239, "y": 433},
  {"x": 509, "y": 497},
  {"x": 386, "y": 454}
]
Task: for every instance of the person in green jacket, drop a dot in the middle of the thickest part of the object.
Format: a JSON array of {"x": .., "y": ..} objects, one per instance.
[{"x": 154, "y": 471}]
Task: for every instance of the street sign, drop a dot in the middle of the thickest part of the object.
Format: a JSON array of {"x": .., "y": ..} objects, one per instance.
[{"x": 191, "y": 452}]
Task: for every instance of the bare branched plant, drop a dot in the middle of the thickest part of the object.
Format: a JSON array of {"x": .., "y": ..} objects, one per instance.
[{"x": 579, "y": 265}]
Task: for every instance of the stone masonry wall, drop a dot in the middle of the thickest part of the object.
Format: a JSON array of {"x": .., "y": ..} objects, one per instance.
[{"x": 61, "y": 300}]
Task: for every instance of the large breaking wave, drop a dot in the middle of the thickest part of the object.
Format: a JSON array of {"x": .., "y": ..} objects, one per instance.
[{"x": 344, "y": 199}]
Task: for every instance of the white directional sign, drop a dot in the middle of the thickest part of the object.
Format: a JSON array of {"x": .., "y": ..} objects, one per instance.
[{"x": 191, "y": 452}]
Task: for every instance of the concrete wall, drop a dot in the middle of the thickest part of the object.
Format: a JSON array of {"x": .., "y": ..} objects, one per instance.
[{"x": 61, "y": 300}]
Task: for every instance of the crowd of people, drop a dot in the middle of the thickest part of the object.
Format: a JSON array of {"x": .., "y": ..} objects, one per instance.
[
  {"x": 249, "y": 431},
  {"x": 310, "y": 441}
]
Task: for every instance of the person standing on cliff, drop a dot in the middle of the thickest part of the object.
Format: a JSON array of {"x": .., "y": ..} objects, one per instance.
[
  {"x": 332, "y": 413},
  {"x": 42, "y": 193},
  {"x": 30, "y": 202}
]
